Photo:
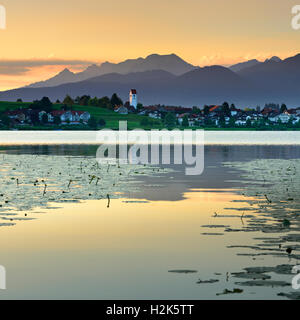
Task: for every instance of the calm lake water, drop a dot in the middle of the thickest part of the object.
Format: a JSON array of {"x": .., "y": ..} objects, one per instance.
[
  {"x": 72, "y": 230},
  {"x": 211, "y": 137}
]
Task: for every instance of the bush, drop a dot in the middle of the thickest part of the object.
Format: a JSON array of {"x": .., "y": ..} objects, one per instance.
[
  {"x": 92, "y": 123},
  {"x": 101, "y": 122}
]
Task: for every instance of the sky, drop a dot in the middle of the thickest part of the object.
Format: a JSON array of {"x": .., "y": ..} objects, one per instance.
[{"x": 43, "y": 37}]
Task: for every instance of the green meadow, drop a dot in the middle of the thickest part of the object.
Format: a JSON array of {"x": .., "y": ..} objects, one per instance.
[{"x": 110, "y": 117}]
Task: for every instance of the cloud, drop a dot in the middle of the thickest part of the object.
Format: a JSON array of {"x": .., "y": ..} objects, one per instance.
[
  {"x": 20, "y": 67},
  {"x": 17, "y": 71}
]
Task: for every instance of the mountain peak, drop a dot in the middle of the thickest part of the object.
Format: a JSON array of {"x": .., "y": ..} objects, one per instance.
[
  {"x": 274, "y": 59},
  {"x": 170, "y": 63},
  {"x": 243, "y": 65},
  {"x": 66, "y": 71}
]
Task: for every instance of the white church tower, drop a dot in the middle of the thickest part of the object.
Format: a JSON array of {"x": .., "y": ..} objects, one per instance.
[{"x": 133, "y": 101}]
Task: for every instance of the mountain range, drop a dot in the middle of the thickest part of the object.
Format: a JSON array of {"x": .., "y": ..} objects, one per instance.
[
  {"x": 171, "y": 63},
  {"x": 170, "y": 80}
]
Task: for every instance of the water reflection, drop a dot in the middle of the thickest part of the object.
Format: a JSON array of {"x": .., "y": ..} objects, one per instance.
[{"x": 216, "y": 224}]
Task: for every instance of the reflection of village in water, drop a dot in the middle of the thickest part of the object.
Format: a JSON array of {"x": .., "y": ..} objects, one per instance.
[{"x": 246, "y": 195}]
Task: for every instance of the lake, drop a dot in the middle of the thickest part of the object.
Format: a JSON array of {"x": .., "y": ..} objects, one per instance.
[
  {"x": 72, "y": 229},
  {"x": 211, "y": 137}
]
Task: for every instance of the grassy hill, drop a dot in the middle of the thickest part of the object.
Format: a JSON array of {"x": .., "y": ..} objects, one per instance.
[{"x": 110, "y": 117}]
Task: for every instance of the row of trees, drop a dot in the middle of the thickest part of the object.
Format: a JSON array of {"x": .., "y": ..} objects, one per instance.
[{"x": 86, "y": 100}]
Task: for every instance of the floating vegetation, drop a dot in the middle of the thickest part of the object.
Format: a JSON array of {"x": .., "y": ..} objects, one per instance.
[
  {"x": 226, "y": 291},
  {"x": 270, "y": 191},
  {"x": 292, "y": 295},
  {"x": 254, "y": 276},
  {"x": 28, "y": 182},
  {"x": 136, "y": 201},
  {"x": 207, "y": 281},
  {"x": 183, "y": 271},
  {"x": 263, "y": 283},
  {"x": 215, "y": 226}
]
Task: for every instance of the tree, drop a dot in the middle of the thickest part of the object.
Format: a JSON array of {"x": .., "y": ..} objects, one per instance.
[
  {"x": 222, "y": 121},
  {"x": 232, "y": 122},
  {"x": 226, "y": 109},
  {"x": 92, "y": 123},
  {"x": 102, "y": 122},
  {"x": 84, "y": 100},
  {"x": 283, "y": 108},
  {"x": 170, "y": 120},
  {"x": 94, "y": 102},
  {"x": 196, "y": 110},
  {"x": 139, "y": 106},
  {"x": 34, "y": 117},
  {"x": 45, "y": 104},
  {"x": 57, "y": 120},
  {"x": 115, "y": 100},
  {"x": 5, "y": 120},
  {"x": 68, "y": 101},
  {"x": 44, "y": 118},
  {"x": 248, "y": 123},
  {"x": 77, "y": 99},
  {"x": 290, "y": 123},
  {"x": 208, "y": 122},
  {"x": 19, "y": 100},
  {"x": 185, "y": 121},
  {"x": 105, "y": 103},
  {"x": 206, "y": 110}
]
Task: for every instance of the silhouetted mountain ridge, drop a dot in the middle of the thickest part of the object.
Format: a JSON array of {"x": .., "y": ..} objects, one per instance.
[
  {"x": 270, "y": 81},
  {"x": 170, "y": 63}
]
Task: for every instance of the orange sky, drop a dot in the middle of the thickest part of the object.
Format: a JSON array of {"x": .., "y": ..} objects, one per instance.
[{"x": 42, "y": 37}]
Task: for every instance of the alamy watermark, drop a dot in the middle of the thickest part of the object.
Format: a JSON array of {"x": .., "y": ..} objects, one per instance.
[
  {"x": 296, "y": 17},
  {"x": 2, "y": 278},
  {"x": 152, "y": 147},
  {"x": 296, "y": 278},
  {"x": 2, "y": 17}
]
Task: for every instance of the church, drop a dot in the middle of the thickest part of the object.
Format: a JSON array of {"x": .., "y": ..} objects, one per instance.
[{"x": 133, "y": 101}]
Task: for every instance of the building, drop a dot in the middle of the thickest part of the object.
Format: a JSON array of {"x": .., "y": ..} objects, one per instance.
[
  {"x": 122, "y": 110},
  {"x": 18, "y": 115},
  {"x": 71, "y": 117},
  {"x": 133, "y": 101}
]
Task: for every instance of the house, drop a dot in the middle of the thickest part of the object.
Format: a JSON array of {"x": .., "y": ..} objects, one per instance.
[
  {"x": 240, "y": 122},
  {"x": 71, "y": 116},
  {"x": 281, "y": 117},
  {"x": 180, "y": 117},
  {"x": 215, "y": 110},
  {"x": 151, "y": 111},
  {"x": 133, "y": 100},
  {"x": 233, "y": 111},
  {"x": 18, "y": 115},
  {"x": 116, "y": 108},
  {"x": 122, "y": 110},
  {"x": 41, "y": 114},
  {"x": 284, "y": 117},
  {"x": 296, "y": 120}
]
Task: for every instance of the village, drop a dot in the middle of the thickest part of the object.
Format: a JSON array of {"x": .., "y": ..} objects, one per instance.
[
  {"x": 45, "y": 113},
  {"x": 215, "y": 115}
]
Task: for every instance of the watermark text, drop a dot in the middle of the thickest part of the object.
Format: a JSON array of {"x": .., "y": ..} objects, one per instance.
[
  {"x": 296, "y": 17},
  {"x": 2, "y": 278},
  {"x": 2, "y": 17},
  {"x": 152, "y": 147}
]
